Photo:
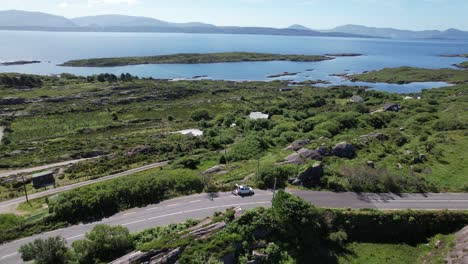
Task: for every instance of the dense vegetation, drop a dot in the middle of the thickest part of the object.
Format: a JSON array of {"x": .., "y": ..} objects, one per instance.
[
  {"x": 404, "y": 75},
  {"x": 192, "y": 58}
]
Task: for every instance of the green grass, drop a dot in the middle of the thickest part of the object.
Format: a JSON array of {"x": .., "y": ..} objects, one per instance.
[
  {"x": 408, "y": 74},
  {"x": 370, "y": 253},
  {"x": 463, "y": 65},
  {"x": 192, "y": 58}
]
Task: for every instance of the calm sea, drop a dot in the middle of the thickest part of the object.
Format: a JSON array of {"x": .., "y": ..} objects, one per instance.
[{"x": 54, "y": 48}]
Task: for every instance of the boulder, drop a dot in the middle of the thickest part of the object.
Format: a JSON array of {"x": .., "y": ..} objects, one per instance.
[
  {"x": 310, "y": 154},
  {"x": 459, "y": 254},
  {"x": 167, "y": 258},
  {"x": 344, "y": 150},
  {"x": 12, "y": 101},
  {"x": 215, "y": 169},
  {"x": 298, "y": 144},
  {"x": 311, "y": 176},
  {"x": 140, "y": 150},
  {"x": 374, "y": 136},
  {"x": 371, "y": 164}
]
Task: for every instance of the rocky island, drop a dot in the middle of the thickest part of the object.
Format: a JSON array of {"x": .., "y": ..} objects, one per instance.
[
  {"x": 21, "y": 62},
  {"x": 344, "y": 54},
  {"x": 193, "y": 58}
]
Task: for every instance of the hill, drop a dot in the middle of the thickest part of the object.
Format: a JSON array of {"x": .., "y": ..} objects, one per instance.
[
  {"x": 15, "y": 18},
  {"x": 401, "y": 34},
  {"x": 130, "y": 21}
]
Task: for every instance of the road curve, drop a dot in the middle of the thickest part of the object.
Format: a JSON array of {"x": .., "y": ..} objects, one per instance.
[
  {"x": 199, "y": 206},
  {"x": 10, "y": 205}
]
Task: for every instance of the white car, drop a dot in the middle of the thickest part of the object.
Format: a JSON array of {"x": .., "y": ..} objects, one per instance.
[{"x": 244, "y": 190}]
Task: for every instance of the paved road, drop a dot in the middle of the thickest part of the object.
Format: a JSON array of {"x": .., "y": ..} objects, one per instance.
[
  {"x": 10, "y": 205},
  {"x": 41, "y": 168},
  {"x": 172, "y": 211},
  {"x": 200, "y": 206}
]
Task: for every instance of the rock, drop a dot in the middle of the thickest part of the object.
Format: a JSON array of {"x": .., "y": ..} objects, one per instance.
[
  {"x": 374, "y": 136},
  {"x": 311, "y": 176},
  {"x": 427, "y": 171},
  {"x": 459, "y": 254},
  {"x": 304, "y": 154},
  {"x": 259, "y": 256},
  {"x": 438, "y": 244},
  {"x": 215, "y": 169},
  {"x": 167, "y": 258},
  {"x": 12, "y": 101},
  {"x": 140, "y": 150},
  {"x": 371, "y": 164},
  {"x": 344, "y": 150},
  {"x": 298, "y": 144}
]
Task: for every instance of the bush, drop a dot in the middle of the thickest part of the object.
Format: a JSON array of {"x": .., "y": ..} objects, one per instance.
[
  {"x": 103, "y": 244},
  {"x": 200, "y": 114},
  {"x": 186, "y": 163},
  {"x": 49, "y": 251},
  {"x": 249, "y": 148},
  {"x": 105, "y": 199},
  {"x": 331, "y": 127},
  {"x": 266, "y": 178}
]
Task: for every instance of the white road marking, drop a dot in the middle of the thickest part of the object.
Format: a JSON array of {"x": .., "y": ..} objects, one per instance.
[
  {"x": 206, "y": 208},
  {"x": 420, "y": 201},
  {"x": 131, "y": 223},
  {"x": 171, "y": 205},
  {"x": 9, "y": 255},
  {"x": 70, "y": 238},
  {"x": 152, "y": 208},
  {"x": 130, "y": 213},
  {"x": 196, "y": 201}
]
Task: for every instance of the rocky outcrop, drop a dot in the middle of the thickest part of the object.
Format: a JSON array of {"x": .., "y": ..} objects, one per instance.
[
  {"x": 12, "y": 101},
  {"x": 215, "y": 169},
  {"x": 460, "y": 254},
  {"x": 374, "y": 136},
  {"x": 140, "y": 150},
  {"x": 298, "y": 144},
  {"x": 310, "y": 177},
  {"x": 302, "y": 155},
  {"x": 344, "y": 150}
]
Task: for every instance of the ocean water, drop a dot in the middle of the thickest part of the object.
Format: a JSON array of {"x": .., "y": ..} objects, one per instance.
[{"x": 54, "y": 48}]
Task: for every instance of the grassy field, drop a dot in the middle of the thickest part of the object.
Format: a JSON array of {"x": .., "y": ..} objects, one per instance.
[
  {"x": 128, "y": 123},
  {"x": 369, "y": 253},
  {"x": 192, "y": 58},
  {"x": 463, "y": 65},
  {"x": 404, "y": 75}
]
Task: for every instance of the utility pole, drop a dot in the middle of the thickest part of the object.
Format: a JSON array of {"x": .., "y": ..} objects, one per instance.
[
  {"x": 25, "y": 190},
  {"x": 274, "y": 189},
  {"x": 258, "y": 168}
]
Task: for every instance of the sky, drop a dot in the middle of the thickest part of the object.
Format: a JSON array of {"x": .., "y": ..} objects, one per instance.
[{"x": 316, "y": 14}]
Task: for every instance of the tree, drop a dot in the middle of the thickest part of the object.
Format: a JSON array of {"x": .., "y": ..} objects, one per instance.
[
  {"x": 103, "y": 244},
  {"x": 50, "y": 251},
  {"x": 298, "y": 221}
]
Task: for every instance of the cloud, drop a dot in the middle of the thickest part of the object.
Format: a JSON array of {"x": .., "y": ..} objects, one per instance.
[
  {"x": 63, "y": 5},
  {"x": 100, "y": 2}
]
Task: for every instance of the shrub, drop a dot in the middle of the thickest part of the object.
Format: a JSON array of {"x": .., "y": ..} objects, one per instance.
[
  {"x": 186, "y": 163},
  {"x": 200, "y": 114},
  {"x": 103, "y": 244},
  {"x": 105, "y": 199},
  {"x": 250, "y": 147},
  {"x": 266, "y": 178},
  {"x": 49, "y": 251}
]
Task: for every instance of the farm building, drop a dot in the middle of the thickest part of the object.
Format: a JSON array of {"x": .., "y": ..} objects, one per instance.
[{"x": 43, "y": 179}]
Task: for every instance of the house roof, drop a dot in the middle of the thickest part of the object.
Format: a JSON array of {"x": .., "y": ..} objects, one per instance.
[
  {"x": 41, "y": 174},
  {"x": 390, "y": 105}
]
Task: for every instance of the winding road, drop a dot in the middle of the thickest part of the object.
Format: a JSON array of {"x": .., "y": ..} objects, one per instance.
[{"x": 200, "y": 206}]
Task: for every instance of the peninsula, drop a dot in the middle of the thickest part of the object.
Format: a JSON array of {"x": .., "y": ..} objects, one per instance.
[{"x": 193, "y": 58}]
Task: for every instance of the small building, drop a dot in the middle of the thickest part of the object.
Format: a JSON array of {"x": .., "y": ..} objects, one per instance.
[
  {"x": 392, "y": 107},
  {"x": 43, "y": 179},
  {"x": 356, "y": 99}
]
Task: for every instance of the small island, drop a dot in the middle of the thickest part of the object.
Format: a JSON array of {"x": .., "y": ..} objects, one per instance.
[
  {"x": 455, "y": 55},
  {"x": 283, "y": 74},
  {"x": 403, "y": 75},
  {"x": 193, "y": 58},
  {"x": 21, "y": 62}
]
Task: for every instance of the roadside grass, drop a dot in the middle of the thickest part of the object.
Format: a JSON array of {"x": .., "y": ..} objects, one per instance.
[{"x": 370, "y": 253}]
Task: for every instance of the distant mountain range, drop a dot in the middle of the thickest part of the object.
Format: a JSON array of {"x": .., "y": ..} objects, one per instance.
[{"x": 23, "y": 20}]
